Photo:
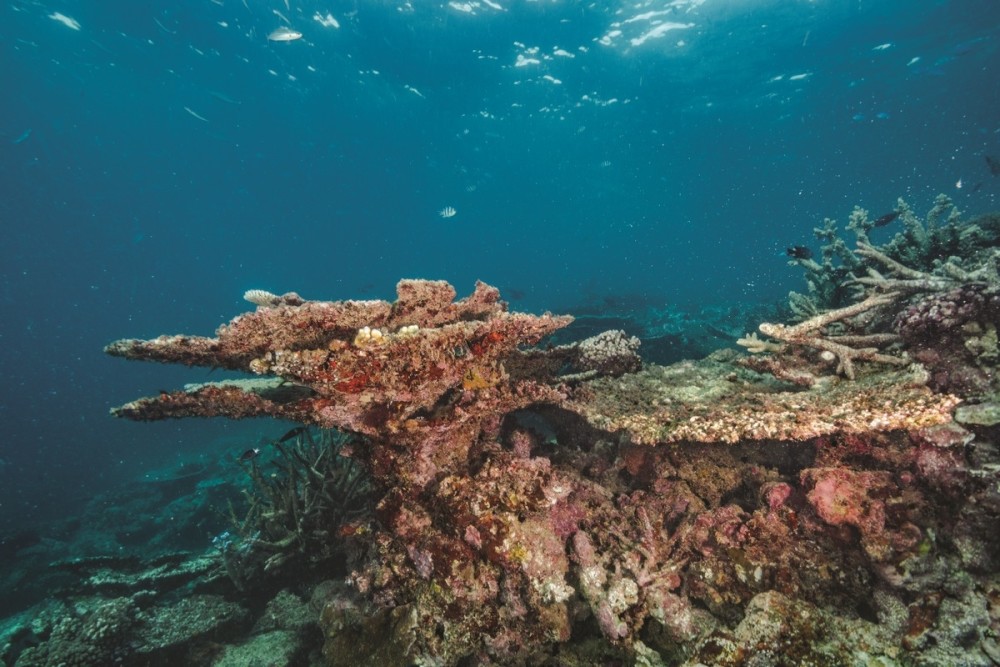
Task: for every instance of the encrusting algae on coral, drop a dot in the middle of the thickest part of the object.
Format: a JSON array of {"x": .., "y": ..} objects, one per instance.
[
  {"x": 569, "y": 505},
  {"x": 711, "y": 401}
]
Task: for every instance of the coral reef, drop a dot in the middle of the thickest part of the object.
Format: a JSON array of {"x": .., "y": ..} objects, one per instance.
[
  {"x": 433, "y": 374},
  {"x": 922, "y": 245},
  {"x": 93, "y": 637},
  {"x": 953, "y": 334},
  {"x": 933, "y": 291},
  {"x": 571, "y": 505},
  {"x": 669, "y": 332}
]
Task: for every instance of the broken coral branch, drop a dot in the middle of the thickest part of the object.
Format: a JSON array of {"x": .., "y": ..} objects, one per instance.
[{"x": 810, "y": 334}]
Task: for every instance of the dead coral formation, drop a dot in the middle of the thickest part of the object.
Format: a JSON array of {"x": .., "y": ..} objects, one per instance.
[
  {"x": 845, "y": 348},
  {"x": 954, "y": 334},
  {"x": 444, "y": 381},
  {"x": 482, "y": 560},
  {"x": 710, "y": 401},
  {"x": 921, "y": 259},
  {"x": 515, "y": 513},
  {"x": 87, "y": 638},
  {"x": 424, "y": 396}
]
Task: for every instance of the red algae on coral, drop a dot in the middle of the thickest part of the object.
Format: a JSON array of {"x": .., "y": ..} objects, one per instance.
[{"x": 372, "y": 367}]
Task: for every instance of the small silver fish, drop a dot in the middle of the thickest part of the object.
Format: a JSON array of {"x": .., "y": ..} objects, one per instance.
[
  {"x": 284, "y": 34},
  {"x": 249, "y": 455}
]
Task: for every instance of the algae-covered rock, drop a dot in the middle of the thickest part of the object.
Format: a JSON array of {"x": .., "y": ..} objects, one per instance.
[
  {"x": 982, "y": 414},
  {"x": 167, "y": 631},
  {"x": 286, "y": 611},
  {"x": 279, "y": 648},
  {"x": 357, "y": 634},
  {"x": 778, "y": 630}
]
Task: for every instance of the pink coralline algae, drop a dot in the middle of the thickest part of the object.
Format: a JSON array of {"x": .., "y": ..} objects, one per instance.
[
  {"x": 423, "y": 370},
  {"x": 954, "y": 334},
  {"x": 844, "y": 497}
]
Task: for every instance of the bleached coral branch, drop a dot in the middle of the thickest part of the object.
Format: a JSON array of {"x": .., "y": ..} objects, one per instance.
[
  {"x": 809, "y": 334},
  {"x": 909, "y": 281},
  {"x": 756, "y": 345},
  {"x": 804, "y": 330}
]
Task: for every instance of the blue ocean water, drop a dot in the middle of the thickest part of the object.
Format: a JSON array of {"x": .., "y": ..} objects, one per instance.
[{"x": 159, "y": 158}]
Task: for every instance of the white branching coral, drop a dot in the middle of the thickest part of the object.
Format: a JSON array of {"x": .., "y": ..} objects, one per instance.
[
  {"x": 935, "y": 255},
  {"x": 846, "y": 349},
  {"x": 756, "y": 345}
]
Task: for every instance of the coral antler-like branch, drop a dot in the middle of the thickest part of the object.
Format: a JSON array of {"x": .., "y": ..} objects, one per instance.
[
  {"x": 844, "y": 348},
  {"x": 908, "y": 281}
]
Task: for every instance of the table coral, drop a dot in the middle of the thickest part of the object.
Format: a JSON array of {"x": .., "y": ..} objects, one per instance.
[
  {"x": 435, "y": 373},
  {"x": 707, "y": 401}
]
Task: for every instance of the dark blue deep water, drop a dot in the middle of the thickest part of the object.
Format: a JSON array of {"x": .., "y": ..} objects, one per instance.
[{"x": 159, "y": 158}]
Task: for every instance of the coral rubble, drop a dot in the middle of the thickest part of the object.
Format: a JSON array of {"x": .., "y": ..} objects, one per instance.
[{"x": 568, "y": 505}]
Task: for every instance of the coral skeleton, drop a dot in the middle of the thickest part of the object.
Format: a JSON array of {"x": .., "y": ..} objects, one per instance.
[
  {"x": 856, "y": 331},
  {"x": 845, "y": 348}
]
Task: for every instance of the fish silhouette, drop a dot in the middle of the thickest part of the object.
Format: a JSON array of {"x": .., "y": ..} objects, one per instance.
[
  {"x": 884, "y": 220},
  {"x": 799, "y": 252},
  {"x": 993, "y": 164}
]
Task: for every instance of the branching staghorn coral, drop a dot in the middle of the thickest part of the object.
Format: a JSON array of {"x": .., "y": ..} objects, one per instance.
[
  {"x": 844, "y": 348},
  {"x": 825, "y": 279},
  {"x": 920, "y": 259},
  {"x": 296, "y": 514},
  {"x": 922, "y": 245}
]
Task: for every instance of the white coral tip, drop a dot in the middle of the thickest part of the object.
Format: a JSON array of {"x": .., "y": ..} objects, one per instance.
[{"x": 260, "y": 297}]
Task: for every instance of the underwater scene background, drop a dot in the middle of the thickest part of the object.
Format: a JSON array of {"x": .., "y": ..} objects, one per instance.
[{"x": 656, "y": 164}]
